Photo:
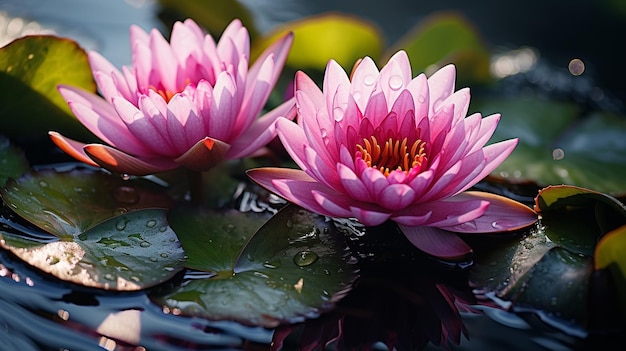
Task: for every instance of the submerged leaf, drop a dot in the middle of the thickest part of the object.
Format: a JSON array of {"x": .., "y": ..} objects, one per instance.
[{"x": 294, "y": 266}]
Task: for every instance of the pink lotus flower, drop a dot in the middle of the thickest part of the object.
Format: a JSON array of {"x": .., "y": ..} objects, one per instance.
[
  {"x": 189, "y": 103},
  {"x": 385, "y": 146}
]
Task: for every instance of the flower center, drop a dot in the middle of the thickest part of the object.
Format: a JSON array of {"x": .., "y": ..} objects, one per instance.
[
  {"x": 393, "y": 154},
  {"x": 165, "y": 94}
]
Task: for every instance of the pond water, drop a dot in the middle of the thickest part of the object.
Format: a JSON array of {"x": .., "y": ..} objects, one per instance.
[{"x": 39, "y": 312}]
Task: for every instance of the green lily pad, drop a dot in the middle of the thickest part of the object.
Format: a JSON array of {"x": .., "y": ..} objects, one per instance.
[
  {"x": 98, "y": 230},
  {"x": 67, "y": 204},
  {"x": 445, "y": 38},
  {"x": 30, "y": 70},
  {"x": 129, "y": 252},
  {"x": 259, "y": 273},
  {"x": 555, "y": 147},
  {"x": 549, "y": 270},
  {"x": 13, "y": 163},
  {"x": 318, "y": 39}
]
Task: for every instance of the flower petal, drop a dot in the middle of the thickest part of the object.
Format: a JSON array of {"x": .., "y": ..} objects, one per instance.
[
  {"x": 204, "y": 155},
  {"x": 370, "y": 215},
  {"x": 437, "y": 242},
  {"x": 503, "y": 214},
  {"x": 72, "y": 148},
  {"x": 261, "y": 131},
  {"x": 120, "y": 162}
]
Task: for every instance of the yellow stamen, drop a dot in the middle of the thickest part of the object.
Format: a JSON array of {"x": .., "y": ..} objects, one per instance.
[{"x": 394, "y": 155}]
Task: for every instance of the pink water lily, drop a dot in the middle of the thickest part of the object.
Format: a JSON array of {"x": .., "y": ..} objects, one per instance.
[
  {"x": 189, "y": 103},
  {"x": 383, "y": 145}
]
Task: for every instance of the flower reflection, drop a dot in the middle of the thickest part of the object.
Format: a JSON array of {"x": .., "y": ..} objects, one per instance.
[
  {"x": 382, "y": 145},
  {"x": 188, "y": 103}
]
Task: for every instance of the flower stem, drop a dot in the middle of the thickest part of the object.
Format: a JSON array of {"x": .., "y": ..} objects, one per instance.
[{"x": 196, "y": 189}]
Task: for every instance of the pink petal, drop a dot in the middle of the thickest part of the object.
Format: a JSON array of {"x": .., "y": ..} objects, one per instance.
[
  {"x": 375, "y": 182},
  {"x": 101, "y": 119},
  {"x": 312, "y": 92},
  {"x": 295, "y": 186},
  {"x": 363, "y": 81},
  {"x": 370, "y": 215},
  {"x": 335, "y": 80},
  {"x": 317, "y": 127},
  {"x": 223, "y": 109},
  {"x": 414, "y": 218},
  {"x": 294, "y": 141},
  {"x": 455, "y": 210},
  {"x": 495, "y": 154},
  {"x": 437, "y": 242},
  {"x": 72, "y": 148},
  {"x": 395, "y": 76},
  {"x": 397, "y": 196},
  {"x": 120, "y": 162},
  {"x": 421, "y": 96},
  {"x": 204, "y": 155},
  {"x": 440, "y": 86},
  {"x": 376, "y": 109},
  {"x": 180, "y": 109},
  {"x": 262, "y": 131},
  {"x": 487, "y": 127},
  {"x": 164, "y": 63},
  {"x": 461, "y": 101},
  {"x": 353, "y": 186},
  {"x": 256, "y": 96},
  {"x": 503, "y": 214}
]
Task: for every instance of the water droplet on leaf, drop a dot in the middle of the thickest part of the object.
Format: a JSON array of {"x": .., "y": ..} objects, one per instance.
[
  {"x": 121, "y": 224},
  {"x": 151, "y": 223},
  {"x": 305, "y": 258}
]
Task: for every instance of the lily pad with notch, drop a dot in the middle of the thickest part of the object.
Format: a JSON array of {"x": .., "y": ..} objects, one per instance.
[
  {"x": 259, "y": 271},
  {"x": 91, "y": 228}
]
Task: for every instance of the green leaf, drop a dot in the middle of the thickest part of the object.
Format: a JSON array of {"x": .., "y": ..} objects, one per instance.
[
  {"x": 68, "y": 203},
  {"x": 13, "y": 163},
  {"x": 317, "y": 39},
  {"x": 129, "y": 252},
  {"x": 30, "y": 70},
  {"x": 557, "y": 148},
  {"x": 446, "y": 38},
  {"x": 550, "y": 270},
  {"x": 294, "y": 266},
  {"x": 610, "y": 254}
]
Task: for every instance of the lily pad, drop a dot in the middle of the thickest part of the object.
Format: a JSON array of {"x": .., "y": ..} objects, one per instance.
[
  {"x": 320, "y": 38},
  {"x": 291, "y": 267},
  {"x": 129, "y": 252},
  {"x": 550, "y": 270},
  {"x": 445, "y": 38},
  {"x": 67, "y": 204},
  {"x": 96, "y": 231},
  {"x": 30, "y": 70},
  {"x": 556, "y": 147},
  {"x": 13, "y": 163}
]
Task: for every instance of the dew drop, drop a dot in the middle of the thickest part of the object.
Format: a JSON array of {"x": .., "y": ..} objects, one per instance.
[
  {"x": 229, "y": 228},
  {"x": 153, "y": 259},
  {"x": 144, "y": 244},
  {"x": 421, "y": 99},
  {"x": 356, "y": 95},
  {"x": 369, "y": 80},
  {"x": 502, "y": 224},
  {"x": 125, "y": 176},
  {"x": 305, "y": 258},
  {"x": 151, "y": 223},
  {"x": 118, "y": 211},
  {"x": 121, "y": 224},
  {"x": 43, "y": 184},
  {"x": 126, "y": 194},
  {"x": 338, "y": 113},
  {"x": 164, "y": 255},
  {"x": 395, "y": 82},
  {"x": 108, "y": 276},
  {"x": 163, "y": 228}
]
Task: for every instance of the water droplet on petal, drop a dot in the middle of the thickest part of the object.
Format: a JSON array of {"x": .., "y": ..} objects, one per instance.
[
  {"x": 356, "y": 95},
  {"x": 126, "y": 194},
  {"x": 395, "y": 82},
  {"x": 502, "y": 224},
  {"x": 305, "y": 258},
  {"x": 369, "y": 79},
  {"x": 421, "y": 99},
  {"x": 151, "y": 223},
  {"x": 338, "y": 113}
]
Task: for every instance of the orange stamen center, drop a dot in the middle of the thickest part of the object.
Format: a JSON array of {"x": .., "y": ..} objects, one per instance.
[{"x": 393, "y": 155}]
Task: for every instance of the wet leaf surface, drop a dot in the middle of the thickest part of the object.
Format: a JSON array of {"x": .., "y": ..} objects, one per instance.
[
  {"x": 556, "y": 146},
  {"x": 92, "y": 229},
  {"x": 294, "y": 266},
  {"x": 68, "y": 203},
  {"x": 30, "y": 70},
  {"x": 549, "y": 270}
]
